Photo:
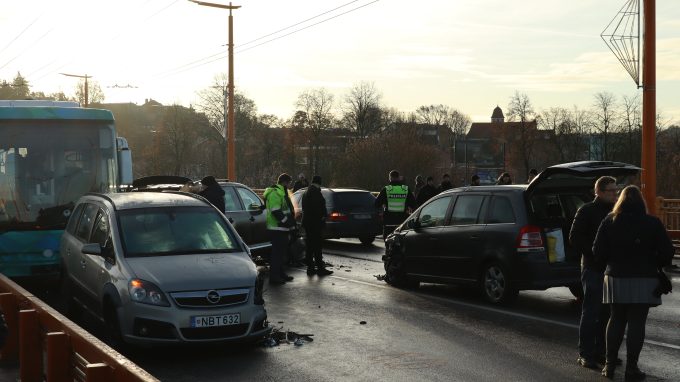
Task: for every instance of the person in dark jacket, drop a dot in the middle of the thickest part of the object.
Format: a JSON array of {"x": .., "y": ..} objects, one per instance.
[
  {"x": 634, "y": 246},
  {"x": 213, "y": 192},
  {"x": 446, "y": 183},
  {"x": 427, "y": 192},
  {"x": 396, "y": 203},
  {"x": 314, "y": 220},
  {"x": 504, "y": 179},
  {"x": 591, "y": 344},
  {"x": 300, "y": 183},
  {"x": 420, "y": 183}
]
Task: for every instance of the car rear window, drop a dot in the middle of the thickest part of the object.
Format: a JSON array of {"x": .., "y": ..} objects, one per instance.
[
  {"x": 175, "y": 230},
  {"x": 353, "y": 200}
]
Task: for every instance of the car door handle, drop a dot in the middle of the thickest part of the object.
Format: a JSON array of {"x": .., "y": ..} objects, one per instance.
[
  {"x": 252, "y": 218},
  {"x": 474, "y": 237}
]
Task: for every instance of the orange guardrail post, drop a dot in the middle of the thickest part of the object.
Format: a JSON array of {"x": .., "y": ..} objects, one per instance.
[
  {"x": 8, "y": 305},
  {"x": 30, "y": 349},
  {"x": 98, "y": 372},
  {"x": 58, "y": 357}
]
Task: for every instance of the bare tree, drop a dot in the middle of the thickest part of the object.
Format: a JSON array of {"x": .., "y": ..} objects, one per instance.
[
  {"x": 556, "y": 119},
  {"x": 605, "y": 119},
  {"x": 94, "y": 92},
  {"x": 361, "y": 109},
  {"x": 433, "y": 114},
  {"x": 520, "y": 109},
  {"x": 631, "y": 120},
  {"x": 179, "y": 137},
  {"x": 316, "y": 106}
]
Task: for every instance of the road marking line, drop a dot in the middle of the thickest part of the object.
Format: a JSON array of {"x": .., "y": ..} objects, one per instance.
[{"x": 485, "y": 308}]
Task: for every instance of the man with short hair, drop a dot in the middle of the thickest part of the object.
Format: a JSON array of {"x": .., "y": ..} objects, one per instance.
[
  {"x": 301, "y": 182},
  {"x": 427, "y": 192},
  {"x": 475, "y": 181},
  {"x": 314, "y": 220},
  {"x": 594, "y": 317},
  {"x": 446, "y": 183},
  {"x": 280, "y": 221},
  {"x": 396, "y": 202}
]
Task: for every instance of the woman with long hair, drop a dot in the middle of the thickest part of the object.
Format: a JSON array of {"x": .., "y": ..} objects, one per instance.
[{"x": 633, "y": 246}]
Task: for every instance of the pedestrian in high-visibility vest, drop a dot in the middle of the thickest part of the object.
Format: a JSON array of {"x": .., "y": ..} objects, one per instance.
[
  {"x": 396, "y": 202},
  {"x": 280, "y": 222}
]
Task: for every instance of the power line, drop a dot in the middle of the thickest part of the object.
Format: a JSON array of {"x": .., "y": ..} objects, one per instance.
[
  {"x": 296, "y": 24},
  {"x": 309, "y": 26},
  {"x": 20, "y": 34},
  {"x": 198, "y": 63},
  {"x": 30, "y": 46}
]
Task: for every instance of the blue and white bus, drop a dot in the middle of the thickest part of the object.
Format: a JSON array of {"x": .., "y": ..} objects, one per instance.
[{"x": 51, "y": 153}]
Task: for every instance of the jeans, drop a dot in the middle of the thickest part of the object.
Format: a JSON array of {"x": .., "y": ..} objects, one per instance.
[
  {"x": 279, "y": 251},
  {"x": 635, "y": 316},
  {"x": 594, "y": 316}
]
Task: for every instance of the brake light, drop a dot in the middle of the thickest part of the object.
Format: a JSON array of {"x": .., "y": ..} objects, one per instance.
[
  {"x": 530, "y": 237},
  {"x": 338, "y": 217}
]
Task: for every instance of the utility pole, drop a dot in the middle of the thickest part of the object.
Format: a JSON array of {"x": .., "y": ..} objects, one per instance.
[
  {"x": 231, "y": 147},
  {"x": 649, "y": 106},
  {"x": 85, "y": 76}
]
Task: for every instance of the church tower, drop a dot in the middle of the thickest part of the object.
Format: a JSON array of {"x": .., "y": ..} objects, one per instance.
[{"x": 497, "y": 115}]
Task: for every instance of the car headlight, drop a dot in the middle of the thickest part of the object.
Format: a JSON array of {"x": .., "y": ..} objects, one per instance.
[
  {"x": 146, "y": 293},
  {"x": 259, "y": 289}
]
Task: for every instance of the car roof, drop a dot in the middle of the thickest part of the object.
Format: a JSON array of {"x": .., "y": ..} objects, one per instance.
[
  {"x": 141, "y": 199},
  {"x": 490, "y": 188},
  {"x": 336, "y": 190}
]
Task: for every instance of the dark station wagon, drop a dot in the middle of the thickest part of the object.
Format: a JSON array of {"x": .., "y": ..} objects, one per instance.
[{"x": 501, "y": 239}]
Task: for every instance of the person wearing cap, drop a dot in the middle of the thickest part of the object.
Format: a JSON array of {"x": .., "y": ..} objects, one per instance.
[
  {"x": 280, "y": 222},
  {"x": 213, "y": 192},
  {"x": 396, "y": 202},
  {"x": 313, "y": 221}
]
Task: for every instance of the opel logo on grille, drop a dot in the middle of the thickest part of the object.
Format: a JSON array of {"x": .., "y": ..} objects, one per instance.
[{"x": 213, "y": 297}]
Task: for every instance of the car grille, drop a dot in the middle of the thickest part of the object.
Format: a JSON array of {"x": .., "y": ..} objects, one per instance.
[
  {"x": 216, "y": 332},
  {"x": 210, "y": 298}
]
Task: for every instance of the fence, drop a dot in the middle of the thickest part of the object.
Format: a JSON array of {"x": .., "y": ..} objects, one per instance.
[
  {"x": 50, "y": 347},
  {"x": 668, "y": 210}
]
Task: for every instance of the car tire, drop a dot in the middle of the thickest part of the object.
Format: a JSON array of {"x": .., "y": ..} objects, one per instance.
[
  {"x": 71, "y": 307},
  {"x": 114, "y": 334},
  {"x": 395, "y": 273},
  {"x": 367, "y": 240},
  {"x": 495, "y": 284},
  {"x": 577, "y": 291}
]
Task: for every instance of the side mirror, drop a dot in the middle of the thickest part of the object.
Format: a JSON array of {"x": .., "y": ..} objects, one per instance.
[
  {"x": 255, "y": 209},
  {"x": 92, "y": 249}
]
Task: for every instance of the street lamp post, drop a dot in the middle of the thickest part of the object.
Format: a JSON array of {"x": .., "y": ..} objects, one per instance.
[
  {"x": 231, "y": 150},
  {"x": 85, "y": 76}
]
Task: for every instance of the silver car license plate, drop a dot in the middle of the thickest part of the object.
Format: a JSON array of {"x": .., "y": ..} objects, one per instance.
[
  {"x": 212, "y": 321},
  {"x": 362, "y": 216}
]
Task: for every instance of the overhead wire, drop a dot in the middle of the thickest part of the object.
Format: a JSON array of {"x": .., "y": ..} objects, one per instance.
[
  {"x": 298, "y": 23},
  {"x": 198, "y": 63},
  {"x": 30, "y": 46},
  {"x": 19, "y": 35}
]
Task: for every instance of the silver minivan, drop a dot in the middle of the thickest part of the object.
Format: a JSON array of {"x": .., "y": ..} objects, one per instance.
[{"x": 161, "y": 267}]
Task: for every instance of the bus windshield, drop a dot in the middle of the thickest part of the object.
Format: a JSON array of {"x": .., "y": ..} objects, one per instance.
[{"x": 45, "y": 166}]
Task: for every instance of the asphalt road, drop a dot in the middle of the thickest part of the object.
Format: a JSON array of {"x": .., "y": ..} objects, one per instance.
[{"x": 434, "y": 333}]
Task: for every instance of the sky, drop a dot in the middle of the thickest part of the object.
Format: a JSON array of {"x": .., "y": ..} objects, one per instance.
[{"x": 468, "y": 54}]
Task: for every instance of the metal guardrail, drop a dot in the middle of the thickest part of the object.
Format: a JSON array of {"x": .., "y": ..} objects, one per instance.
[
  {"x": 51, "y": 347},
  {"x": 668, "y": 210}
]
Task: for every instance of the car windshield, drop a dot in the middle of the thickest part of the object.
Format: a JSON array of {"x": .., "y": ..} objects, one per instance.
[
  {"x": 160, "y": 231},
  {"x": 354, "y": 200}
]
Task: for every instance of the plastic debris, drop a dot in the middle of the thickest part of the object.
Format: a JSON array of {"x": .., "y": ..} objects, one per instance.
[
  {"x": 380, "y": 277},
  {"x": 278, "y": 336},
  {"x": 362, "y": 323},
  {"x": 299, "y": 342}
]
